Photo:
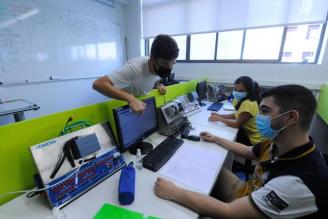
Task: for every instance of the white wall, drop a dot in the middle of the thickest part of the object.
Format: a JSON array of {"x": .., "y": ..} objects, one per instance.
[
  {"x": 133, "y": 29},
  {"x": 59, "y": 96}
]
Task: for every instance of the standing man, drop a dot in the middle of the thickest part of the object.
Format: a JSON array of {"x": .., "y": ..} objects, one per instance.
[
  {"x": 139, "y": 75},
  {"x": 291, "y": 177}
]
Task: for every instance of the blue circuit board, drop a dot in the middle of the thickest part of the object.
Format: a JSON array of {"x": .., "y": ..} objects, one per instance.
[{"x": 89, "y": 175}]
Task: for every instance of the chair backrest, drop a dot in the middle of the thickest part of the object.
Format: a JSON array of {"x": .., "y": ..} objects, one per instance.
[
  {"x": 325, "y": 156},
  {"x": 319, "y": 133}
]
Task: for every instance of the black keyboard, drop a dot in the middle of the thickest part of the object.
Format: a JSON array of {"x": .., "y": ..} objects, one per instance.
[
  {"x": 215, "y": 106},
  {"x": 156, "y": 158}
]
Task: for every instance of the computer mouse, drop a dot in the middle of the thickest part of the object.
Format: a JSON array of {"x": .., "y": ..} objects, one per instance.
[{"x": 193, "y": 138}]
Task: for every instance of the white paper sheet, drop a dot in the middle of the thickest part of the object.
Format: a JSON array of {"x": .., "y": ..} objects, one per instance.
[
  {"x": 228, "y": 107},
  {"x": 193, "y": 166}
]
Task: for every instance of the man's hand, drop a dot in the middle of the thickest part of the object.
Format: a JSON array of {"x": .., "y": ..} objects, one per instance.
[
  {"x": 137, "y": 106},
  {"x": 161, "y": 88},
  {"x": 165, "y": 189},
  {"x": 206, "y": 136}
]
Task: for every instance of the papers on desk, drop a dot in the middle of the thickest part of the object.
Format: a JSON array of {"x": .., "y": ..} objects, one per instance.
[
  {"x": 219, "y": 126},
  {"x": 228, "y": 107},
  {"x": 194, "y": 167},
  {"x": 216, "y": 124}
]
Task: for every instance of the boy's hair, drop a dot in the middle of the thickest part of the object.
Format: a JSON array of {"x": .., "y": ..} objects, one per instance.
[
  {"x": 164, "y": 47},
  {"x": 294, "y": 97}
]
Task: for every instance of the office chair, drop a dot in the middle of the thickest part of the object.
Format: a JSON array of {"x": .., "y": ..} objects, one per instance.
[{"x": 246, "y": 167}]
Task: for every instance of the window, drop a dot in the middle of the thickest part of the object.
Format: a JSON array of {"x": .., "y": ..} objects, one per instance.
[
  {"x": 229, "y": 45},
  {"x": 182, "y": 43},
  {"x": 302, "y": 42},
  {"x": 280, "y": 44},
  {"x": 150, "y": 42},
  {"x": 306, "y": 56},
  {"x": 287, "y": 54},
  {"x": 263, "y": 43},
  {"x": 202, "y": 46},
  {"x": 313, "y": 32}
]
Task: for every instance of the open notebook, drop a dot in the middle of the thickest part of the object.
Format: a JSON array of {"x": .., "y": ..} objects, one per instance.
[{"x": 194, "y": 167}]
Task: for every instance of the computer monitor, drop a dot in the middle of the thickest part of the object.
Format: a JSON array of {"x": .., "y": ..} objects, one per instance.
[
  {"x": 170, "y": 80},
  {"x": 201, "y": 91},
  {"x": 171, "y": 76},
  {"x": 132, "y": 128}
]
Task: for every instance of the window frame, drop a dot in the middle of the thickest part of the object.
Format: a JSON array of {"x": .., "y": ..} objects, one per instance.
[{"x": 240, "y": 60}]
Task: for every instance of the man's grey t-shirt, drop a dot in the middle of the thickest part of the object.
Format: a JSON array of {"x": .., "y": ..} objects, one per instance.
[{"x": 134, "y": 77}]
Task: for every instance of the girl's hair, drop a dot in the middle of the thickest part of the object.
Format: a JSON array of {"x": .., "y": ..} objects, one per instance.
[{"x": 252, "y": 89}]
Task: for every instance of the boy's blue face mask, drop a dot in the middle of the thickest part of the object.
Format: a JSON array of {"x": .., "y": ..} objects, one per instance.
[
  {"x": 263, "y": 124},
  {"x": 239, "y": 95}
]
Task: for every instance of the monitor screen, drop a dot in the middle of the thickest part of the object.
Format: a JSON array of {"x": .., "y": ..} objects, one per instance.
[
  {"x": 133, "y": 128},
  {"x": 201, "y": 90},
  {"x": 171, "y": 77}
]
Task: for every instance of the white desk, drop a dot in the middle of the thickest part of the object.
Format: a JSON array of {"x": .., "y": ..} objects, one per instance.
[
  {"x": 17, "y": 108},
  {"x": 145, "y": 201}
]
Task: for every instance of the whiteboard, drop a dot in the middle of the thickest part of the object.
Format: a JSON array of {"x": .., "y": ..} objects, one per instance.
[{"x": 38, "y": 42}]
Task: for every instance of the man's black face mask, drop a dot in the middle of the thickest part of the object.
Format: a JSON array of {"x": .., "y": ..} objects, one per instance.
[{"x": 162, "y": 72}]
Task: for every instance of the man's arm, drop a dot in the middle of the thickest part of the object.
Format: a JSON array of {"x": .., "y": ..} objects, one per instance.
[
  {"x": 105, "y": 86},
  {"x": 236, "y": 148},
  {"x": 205, "y": 205}
]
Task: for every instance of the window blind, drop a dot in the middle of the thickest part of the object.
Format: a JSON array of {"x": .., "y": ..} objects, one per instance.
[{"x": 176, "y": 17}]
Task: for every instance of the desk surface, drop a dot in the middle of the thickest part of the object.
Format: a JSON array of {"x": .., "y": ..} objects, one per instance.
[{"x": 145, "y": 201}]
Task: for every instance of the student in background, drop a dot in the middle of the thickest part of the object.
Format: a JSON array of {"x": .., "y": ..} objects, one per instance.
[
  {"x": 139, "y": 75},
  {"x": 246, "y": 97},
  {"x": 291, "y": 176}
]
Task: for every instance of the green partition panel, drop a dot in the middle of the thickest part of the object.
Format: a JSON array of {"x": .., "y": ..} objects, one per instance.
[
  {"x": 323, "y": 103},
  {"x": 16, "y": 162}
]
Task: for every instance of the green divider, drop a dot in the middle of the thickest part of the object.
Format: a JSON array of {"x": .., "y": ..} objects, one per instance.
[
  {"x": 16, "y": 162},
  {"x": 323, "y": 103}
]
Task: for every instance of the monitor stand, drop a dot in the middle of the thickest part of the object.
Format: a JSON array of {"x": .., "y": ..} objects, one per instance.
[{"x": 145, "y": 148}]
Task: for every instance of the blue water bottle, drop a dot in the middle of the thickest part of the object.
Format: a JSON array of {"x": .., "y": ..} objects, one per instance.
[{"x": 126, "y": 187}]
